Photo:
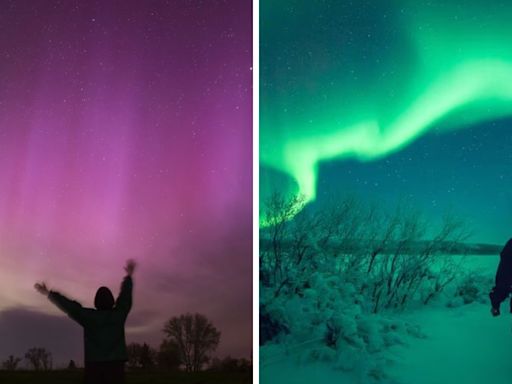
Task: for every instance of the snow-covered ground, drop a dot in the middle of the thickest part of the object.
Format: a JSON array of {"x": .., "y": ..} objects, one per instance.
[{"x": 462, "y": 345}]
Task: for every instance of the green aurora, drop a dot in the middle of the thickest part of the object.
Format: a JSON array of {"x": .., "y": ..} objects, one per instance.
[{"x": 365, "y": 79}]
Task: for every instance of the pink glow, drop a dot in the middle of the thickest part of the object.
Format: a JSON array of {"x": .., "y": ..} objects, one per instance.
[{"x": 126, "y": 133}]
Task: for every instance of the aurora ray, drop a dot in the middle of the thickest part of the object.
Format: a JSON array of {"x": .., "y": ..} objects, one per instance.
[
  {"x": 374, "y": 78},
  {"x": 125, "y": 132}
]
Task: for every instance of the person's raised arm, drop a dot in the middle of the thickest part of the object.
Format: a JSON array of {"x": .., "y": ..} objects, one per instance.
[
  {"x": 124, "y": 300},
  {"x": 72, "y": 308}
]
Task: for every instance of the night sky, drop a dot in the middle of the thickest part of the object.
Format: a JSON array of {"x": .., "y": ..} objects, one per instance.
[
  {"x": 125, "y": 132},
  {"x": 391, "y": 101}
]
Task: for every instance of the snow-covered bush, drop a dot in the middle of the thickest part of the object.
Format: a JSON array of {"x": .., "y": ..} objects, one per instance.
[
  {"x": 270, "y": 327},
  {"x": 472, "y": 288},
  {"x": 334, "y": 281}
]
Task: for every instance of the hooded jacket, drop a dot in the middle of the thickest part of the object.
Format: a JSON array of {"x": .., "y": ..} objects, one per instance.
[{"x": 104, "y": 338}]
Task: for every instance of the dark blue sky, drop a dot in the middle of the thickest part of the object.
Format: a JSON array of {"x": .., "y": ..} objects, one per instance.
[{"x": 466, "y": 171}]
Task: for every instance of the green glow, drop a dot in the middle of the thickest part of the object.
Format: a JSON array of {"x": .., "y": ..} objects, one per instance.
[{"x": 457, "y": 70}]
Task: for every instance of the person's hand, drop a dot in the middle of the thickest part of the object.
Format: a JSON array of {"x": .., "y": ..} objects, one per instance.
[
  {"x": 495, "y": 312},
  {"x": 130, "y": 267},
  {"x": 42, "y": 288}
]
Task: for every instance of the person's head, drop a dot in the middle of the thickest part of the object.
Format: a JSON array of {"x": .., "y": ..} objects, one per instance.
[{"x": 104, "y": 298}]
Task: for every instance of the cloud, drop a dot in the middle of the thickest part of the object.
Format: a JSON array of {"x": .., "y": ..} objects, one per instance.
[{"x": 21, "y": 329}]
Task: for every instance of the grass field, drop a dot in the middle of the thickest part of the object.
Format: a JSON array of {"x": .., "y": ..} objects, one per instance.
[{"x": 75, "y": 377}]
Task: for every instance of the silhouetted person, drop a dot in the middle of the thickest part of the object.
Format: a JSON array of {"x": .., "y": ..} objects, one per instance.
[
  {"x": 104, "y": 339},
  {"x": 503, "y": 283}
]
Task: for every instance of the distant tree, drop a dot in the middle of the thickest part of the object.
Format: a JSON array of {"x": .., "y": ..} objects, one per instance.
[
  {"x": 141, "y": 356},
  {"x": 11, "y": 363},
  {"x": 39, "y": 359},
  {"x": 168, "y": 356},
  {"x": 71, "y": 365},
  {"x": 196, "y": 338},
  {"x": 230, "y": 364}
]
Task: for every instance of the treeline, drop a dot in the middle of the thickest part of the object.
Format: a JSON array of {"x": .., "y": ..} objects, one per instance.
[
  {"x": 448, "y": 248},
  {"x": 143, "y": 357},
  {"x": 189, "y": 343},
  {"x": 36, "y": 358}
]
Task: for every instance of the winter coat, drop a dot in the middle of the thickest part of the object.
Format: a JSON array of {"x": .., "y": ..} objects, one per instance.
[
  {"x": 503, "y": 282},
  {"x": 104, "y": 338}
]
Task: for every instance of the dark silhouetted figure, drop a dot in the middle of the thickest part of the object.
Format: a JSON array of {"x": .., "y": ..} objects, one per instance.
[
  {"x": 104, "y": 339},
  {"x": 71, "y": 365},
  {"x": 503, "y": 283}
]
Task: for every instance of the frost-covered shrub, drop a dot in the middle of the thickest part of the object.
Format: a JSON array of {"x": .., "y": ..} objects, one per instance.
[
  {"x": 472, "y": 288},
  {"x": 367, "y": 368},
  {"x": 393, "y": 338},
  {"x": 335, "y": 279},
  {"x": 270, "y": 327},
  {"x": 322, "y": 353},
  {"x": 350, "y": 358},
  {"x": 415, "y": 331},
  {"x": 455, "y": 302},
  {"x": 377, "y": 373},
  {"x": 272, "y": 317},
  {"x": 332, "y": 335},
  {"x": 370, "y": 331},
  {"x": 390, "y": 325}
]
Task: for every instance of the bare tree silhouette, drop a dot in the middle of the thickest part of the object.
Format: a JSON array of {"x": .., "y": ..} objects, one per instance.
[
  {"x": 11, "y": 363},
  {"x": 141, "y": 356},
  {"x": 196, "y": 338},
  {"x": 39, "y": 358}
]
